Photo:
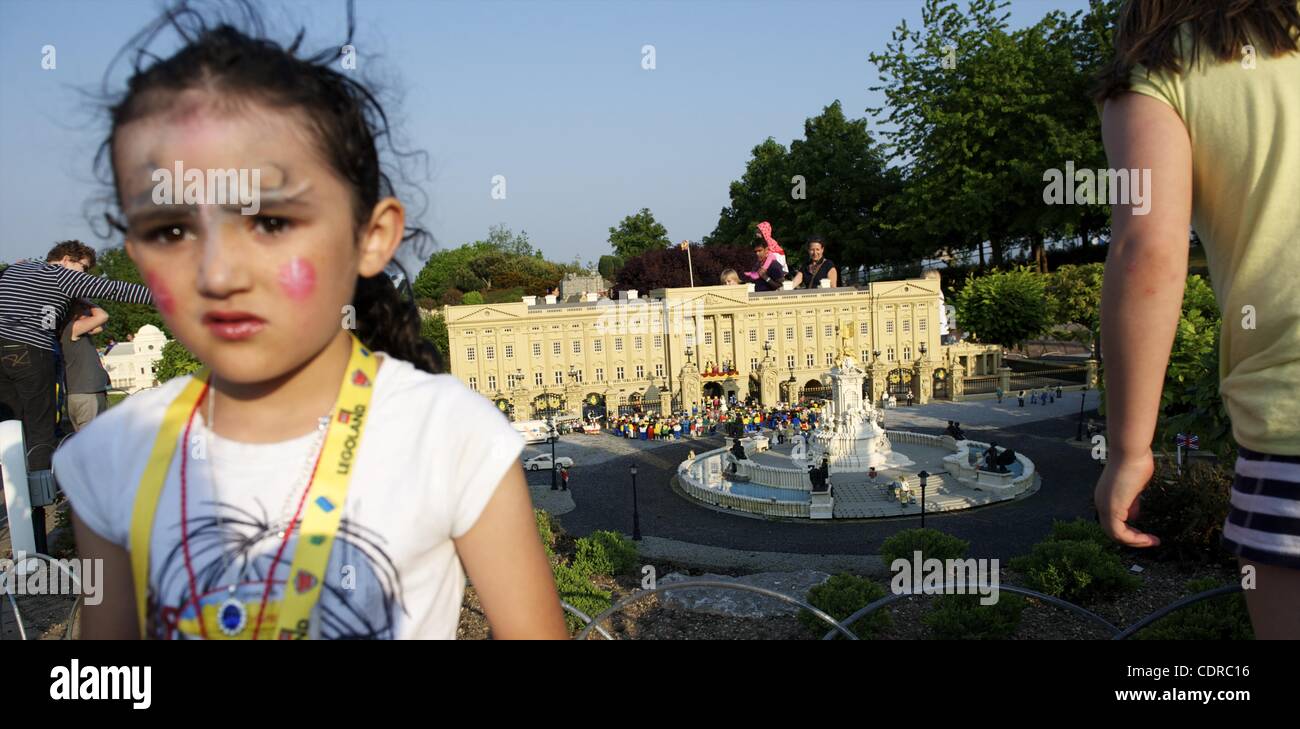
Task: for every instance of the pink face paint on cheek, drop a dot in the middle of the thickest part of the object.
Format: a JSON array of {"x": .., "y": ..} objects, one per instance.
[
  {"x": 162, "y": 297},
  {"x": 298, "y": 278}
]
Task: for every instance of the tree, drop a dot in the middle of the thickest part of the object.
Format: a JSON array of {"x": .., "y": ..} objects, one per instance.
[
  {"x": 609, "y": 266},
  {"x": 1004, "y": 307},
  {"x": 667, "y": 267},
  {"x": 833, "y": 182},
  {"x": 177, "y": 361},
  {"x": 503, "y": 260},
  {"x": 472, "y": 297},
  {"x": 637, "y": 234},
  {"x": 434, "y": 329},
  {"x": 979, "y": 113},
  {"x": 1074, "y": 296},
  {"x": 124, "y": 319}
]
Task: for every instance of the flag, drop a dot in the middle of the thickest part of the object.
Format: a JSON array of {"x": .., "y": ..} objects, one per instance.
[
  {"x": 684, "y": 245},
  {"x": 1191, "y": 442}
]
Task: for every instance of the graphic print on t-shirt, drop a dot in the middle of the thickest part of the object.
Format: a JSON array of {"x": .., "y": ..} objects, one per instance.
[{"x": 231, "y": 556}]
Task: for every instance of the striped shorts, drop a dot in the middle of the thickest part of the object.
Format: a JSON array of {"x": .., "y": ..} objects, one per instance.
[{"x": 1264, "y": 523}]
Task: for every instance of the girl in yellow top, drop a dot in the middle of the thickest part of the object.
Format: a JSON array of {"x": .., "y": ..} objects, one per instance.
[
  {"x": 1206, "y": 96},
  {"x": 312, "y": 480}
]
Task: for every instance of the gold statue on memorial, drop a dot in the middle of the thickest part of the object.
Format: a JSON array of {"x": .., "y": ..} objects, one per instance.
[{"x": 846, "y": 340}]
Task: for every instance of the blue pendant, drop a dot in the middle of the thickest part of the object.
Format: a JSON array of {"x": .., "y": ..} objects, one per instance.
[{"x": 233, "y": 616}]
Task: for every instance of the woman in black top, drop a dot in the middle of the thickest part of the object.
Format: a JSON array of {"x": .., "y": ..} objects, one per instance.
[{"x": 810, "y": 275}]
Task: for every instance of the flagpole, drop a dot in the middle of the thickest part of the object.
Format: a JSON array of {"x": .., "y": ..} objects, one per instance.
[{"x": 690, "y": 268}]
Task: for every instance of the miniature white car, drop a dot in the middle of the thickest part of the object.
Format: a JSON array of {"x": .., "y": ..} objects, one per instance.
[{"x": 538, "y": 463}]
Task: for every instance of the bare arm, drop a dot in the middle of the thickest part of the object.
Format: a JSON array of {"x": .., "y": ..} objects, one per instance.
[
  {"x": 114, "y": 615},
  {"x": 77, "y": 284},
  {"x": 503, "y": 556},
  {"x": 798, "y": 279},
  {"x": 833, "y": 276},
  {"x": 98, "y": 318},
  {"x": 1142, "y": 293}
]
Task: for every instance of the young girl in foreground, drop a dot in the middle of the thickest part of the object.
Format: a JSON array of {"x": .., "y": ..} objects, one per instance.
[
  {"x": 310, "y": 481},
  {"x": 1219, "y": 138}
]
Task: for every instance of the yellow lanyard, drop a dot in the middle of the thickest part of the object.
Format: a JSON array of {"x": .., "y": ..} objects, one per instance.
[{"x": 322, "y": 509}]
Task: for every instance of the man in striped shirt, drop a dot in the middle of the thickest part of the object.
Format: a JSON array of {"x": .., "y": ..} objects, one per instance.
[{"x": 35, "y": 299}]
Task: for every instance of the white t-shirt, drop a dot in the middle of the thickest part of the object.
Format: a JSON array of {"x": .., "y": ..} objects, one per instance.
[{"x": 432, "y": 453}]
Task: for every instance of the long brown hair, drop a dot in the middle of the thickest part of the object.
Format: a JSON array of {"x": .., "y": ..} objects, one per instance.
[{"x": 1147, "y": 33}]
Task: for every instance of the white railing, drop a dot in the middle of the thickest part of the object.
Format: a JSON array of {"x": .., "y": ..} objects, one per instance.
[
  {"x": 781, "y": 478},
  {"x": 691, "y": 484},
  {"x": 921, "y": 439}
]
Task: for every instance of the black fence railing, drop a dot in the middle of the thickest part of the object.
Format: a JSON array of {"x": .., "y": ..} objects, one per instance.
[{"x": 840, "y": 627}]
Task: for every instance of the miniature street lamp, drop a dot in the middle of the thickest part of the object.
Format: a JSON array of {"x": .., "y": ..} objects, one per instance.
[
  {"x": 636, "y": 515},
  {"x": 923, "y": 475}
]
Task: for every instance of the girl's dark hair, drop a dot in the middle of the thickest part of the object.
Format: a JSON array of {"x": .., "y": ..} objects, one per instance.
[
  {"x": 1147, "y": 32},
  {"x": 344, "y": 116}
]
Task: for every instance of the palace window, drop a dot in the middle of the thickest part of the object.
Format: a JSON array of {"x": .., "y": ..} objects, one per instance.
[
  {"x": 469, "y": 354},
  {"x": 907, "y": 354},
  {"x": 618, "y": 372},
  {"x": 830, "y": 359},
  {"x": 559, "y": 377},
  {"x": 659, "y": 369},
  {"x": 789, "y": 361},
  {"x": 577, "y": 347},
  {"x": 598, "y": 346},
  {"x": 921, "y": 326},
  {"x": 510, "y": 351},
  {"x": 492, "y": 383},
  {"x": 555, "y": 348},
  {"x": 753, "y": 363},
  {"x": 889, "y": 354},
  {"x": 907, "y": 325},
  {"x": 889, "y": 327},
  {"x": 473, "y": 384},
  {"x": 600, "y": 374},
  {"x": 537, "y": 349},
  {"x": 829, "y": 331},
  {"x": 866, "y": 356},
  {"x": 753, "y": 336},
  {"x": 789, "y": 334},
  {"x": 726, "y": 337},
  {"x": 640, "y": 372},
  {"x": 811, "y": 359},
  {"x": 862, "y": 329},
  {"x": 771, "y": 334},
  {"x": 659, "y": 341},
  {"x": 537, "y": 379},
  {"x": 618, "y": 344},
  {"x": 639, "y": 343},
  {"x": 808, "y": 332},
  {"x": 490, "y": 352},
  {"x": 708, "y": 338}
]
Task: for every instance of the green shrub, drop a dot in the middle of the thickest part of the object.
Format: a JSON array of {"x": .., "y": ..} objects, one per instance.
[
  {"x": 577, "y": 589},
  {"x": 1075, "y": 571},
  {"x": 1187, "y": 510},
  {"x": 840, "y": 597},
  {"x": 605, "y": 553},
  {"x": 546, "y": 528},
  {"x": 1082, "y": 530},
  {"x": 932, "y": 543},
  {"x": 1219, "y": 618},
  {"x": 962, "y": 617}
]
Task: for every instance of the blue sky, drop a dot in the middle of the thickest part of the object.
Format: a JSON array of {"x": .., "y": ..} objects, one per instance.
[{"x": 551, "y": 94}]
